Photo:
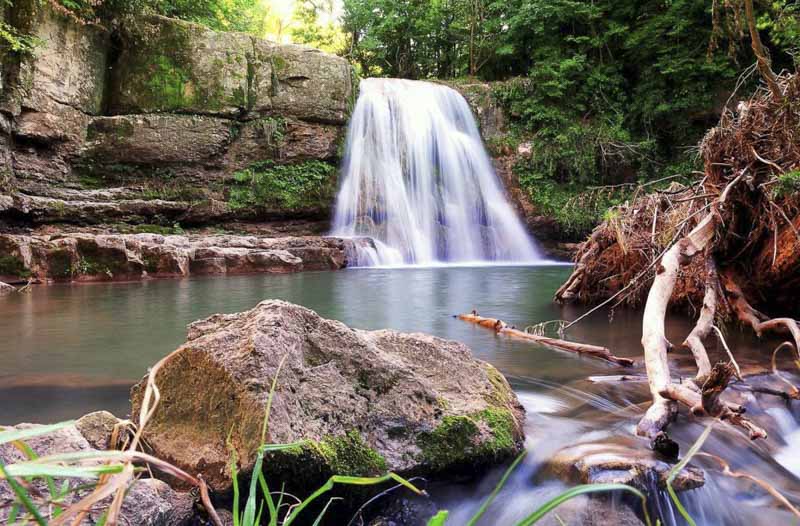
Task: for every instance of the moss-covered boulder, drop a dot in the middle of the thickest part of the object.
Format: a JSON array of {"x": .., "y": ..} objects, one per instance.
[
  {"x": 175, "y": 66},
  {"x": 361, "y": 402},
  {"x": 168, "y": 65}
]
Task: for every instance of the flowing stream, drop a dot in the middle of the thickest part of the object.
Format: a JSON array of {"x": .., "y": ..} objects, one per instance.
[
  {"x": 417, "y": 180},
  {"x": 70, "y": 349}
]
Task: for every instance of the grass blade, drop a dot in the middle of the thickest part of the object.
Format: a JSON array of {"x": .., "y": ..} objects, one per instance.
[
  {"x": 22, "y": 496},
  {"x": 235, "y": 481},
  {"x": 581, "y": 490},
  {"x": 12, "y": 435},
  {"x": 677, "y": 469},
  {"x": 318, "y": 521},
  {"x": 265, "y": 425},
  {"x": 497, "y": 488},
  {"x": 249, "y": 518},
  {"x": 28, "y": 469},
  {"x": 439, "y": 519},
  {"x": 271, "y": 508},
  {"x": 352, "y": 481}
]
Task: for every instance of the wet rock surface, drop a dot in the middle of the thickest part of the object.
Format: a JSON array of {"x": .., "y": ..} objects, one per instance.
[
  {"x": 106, "y": 257},
  {"x": 148, "y": 502},
  {"x": 592, "y": 511},
  {"x": 603, "y": 462},
  {"x": 363, "y": 402}
]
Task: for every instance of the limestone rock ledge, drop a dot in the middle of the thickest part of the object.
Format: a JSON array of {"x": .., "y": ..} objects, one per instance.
[
  {"x": 106, "y": 257},
  {"x": 178, "y": 118}
]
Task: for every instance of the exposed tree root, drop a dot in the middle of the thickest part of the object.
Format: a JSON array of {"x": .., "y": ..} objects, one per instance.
[
  {"x": 501, "y": 327},
  {"x": 694, "y": 342},
  {"x": 743, "y": 218}
]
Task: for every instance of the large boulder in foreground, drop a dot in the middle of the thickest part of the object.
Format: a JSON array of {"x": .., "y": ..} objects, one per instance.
[{"x": 365, "y": 402}]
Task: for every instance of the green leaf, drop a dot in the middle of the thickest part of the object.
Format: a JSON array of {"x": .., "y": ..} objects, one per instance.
[{"x": 439, "y": 519}]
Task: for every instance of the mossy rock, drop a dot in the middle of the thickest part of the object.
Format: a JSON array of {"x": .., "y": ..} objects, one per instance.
[
  {"x": 169, "y": 65},
  {"x": 355, "y": 402},
  {"x": 12, "y": 265},
  {"x": 462, "y": 441}
]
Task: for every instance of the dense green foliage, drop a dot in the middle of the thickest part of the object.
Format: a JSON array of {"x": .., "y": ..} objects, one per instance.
[
  {"x": 252, "y": 16},
  {"x": 606, "y": 92},
  {"x": 234, "y": 15},
  {"x": 287, "y": 187}
]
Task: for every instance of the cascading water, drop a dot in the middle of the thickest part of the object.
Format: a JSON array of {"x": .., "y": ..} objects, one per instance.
[{"x": 418, "y": 182}]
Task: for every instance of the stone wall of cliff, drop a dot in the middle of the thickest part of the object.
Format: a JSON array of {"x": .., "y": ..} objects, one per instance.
[{"x": 162, "y": 122}]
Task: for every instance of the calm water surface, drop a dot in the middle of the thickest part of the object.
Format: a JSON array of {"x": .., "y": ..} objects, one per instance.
[{"x": 69, "y": 349}]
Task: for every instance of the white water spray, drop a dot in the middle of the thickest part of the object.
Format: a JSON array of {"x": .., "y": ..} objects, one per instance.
[{"x": 418, "y": 182}]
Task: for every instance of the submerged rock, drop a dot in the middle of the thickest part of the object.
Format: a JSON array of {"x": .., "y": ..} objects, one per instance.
[
  {"x": 600, "y": 463},
  {"x": 363, "y": 402},
  {"x": 149, "y": 502},
  {"x": 592, "y": 511},
  {"x": 6, "y": 289}
]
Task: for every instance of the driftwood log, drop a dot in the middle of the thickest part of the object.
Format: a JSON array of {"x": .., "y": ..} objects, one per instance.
[{"x": 502, "y": 327}]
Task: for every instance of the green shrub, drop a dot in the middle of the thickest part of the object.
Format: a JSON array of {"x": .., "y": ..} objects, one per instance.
[
  {"x": 268, "y": 185},
  {"x": 788, "y": 183}
]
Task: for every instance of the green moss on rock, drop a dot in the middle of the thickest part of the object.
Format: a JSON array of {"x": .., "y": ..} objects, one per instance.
[
  {"x": 59, "y": 264},
  {"x": 350, "y": 455},
  {"x": 13, "y": 266},
  {"x": 265, "y": 185},
  {"x": 479, "y": 438},
  {"x": 312, "y": 462},
  {"x": 172, "y": 65}
]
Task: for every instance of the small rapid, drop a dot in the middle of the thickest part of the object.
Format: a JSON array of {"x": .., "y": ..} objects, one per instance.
[{"x": 418, "y": 184}]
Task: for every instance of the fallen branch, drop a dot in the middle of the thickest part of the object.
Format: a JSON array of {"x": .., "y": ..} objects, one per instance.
[
  {"x": 501, "y": 327},
  {"x": 709, "y": 403},
  {"x": 726, "y": 470}
]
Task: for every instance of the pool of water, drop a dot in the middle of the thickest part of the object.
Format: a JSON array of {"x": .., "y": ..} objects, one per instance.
[{"x": 69, "y": 349}]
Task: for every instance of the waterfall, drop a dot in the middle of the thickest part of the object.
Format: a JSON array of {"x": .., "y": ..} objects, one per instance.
[{"x": 417, "y": 181}]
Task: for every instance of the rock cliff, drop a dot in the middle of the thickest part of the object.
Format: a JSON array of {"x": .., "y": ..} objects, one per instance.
[{"x": 162, "y": 121}]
